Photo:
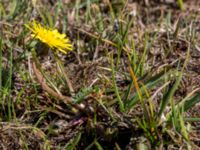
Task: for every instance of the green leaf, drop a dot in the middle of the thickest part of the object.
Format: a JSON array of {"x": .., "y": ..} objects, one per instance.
[
  {"x": 183, "y": 127},
  {"x": 180, "y": 4},
  {"x": 170, "y": 93},
  {"x": 1, "y": 67},
  {"x": 72, "y": 145},
  {"x": 191, "y": 102},
  {"x": 98, "y": 146},
  {"x": 79, "y": 97},
  {"x": 186, "y": 103},
  {"x": 13, "y": 7},
  {"x": 121, "y": 104},
  {"x": 192, "y": 119}
]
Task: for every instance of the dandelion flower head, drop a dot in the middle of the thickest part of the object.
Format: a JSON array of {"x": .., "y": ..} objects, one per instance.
[{"x": 51, "y": 37}]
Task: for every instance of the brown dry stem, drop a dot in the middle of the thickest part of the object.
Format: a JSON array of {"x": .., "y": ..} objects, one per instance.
[{"x": 67, "y": 100}]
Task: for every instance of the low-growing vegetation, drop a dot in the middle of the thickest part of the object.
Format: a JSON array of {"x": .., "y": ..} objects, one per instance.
[{"x": 100, "y": 74}]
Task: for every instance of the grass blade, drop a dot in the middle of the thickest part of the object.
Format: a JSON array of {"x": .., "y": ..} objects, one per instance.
[
  {"x": 191, "y": 102},
  {"x": 98, "y": 146},
  {"x": 74, "y": 142},
  {"x": 121, "y": 104},
  {"x": 1, "y": 67},
  {"x": 168, "y": 96},
  {"x": 153, "y": 81}
]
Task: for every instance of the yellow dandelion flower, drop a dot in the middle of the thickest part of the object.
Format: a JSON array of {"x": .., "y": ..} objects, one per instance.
[{"x": 51, "y": 37}]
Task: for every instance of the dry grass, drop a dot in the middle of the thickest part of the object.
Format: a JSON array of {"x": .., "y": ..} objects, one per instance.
[{"x": 132, "y": 80}]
